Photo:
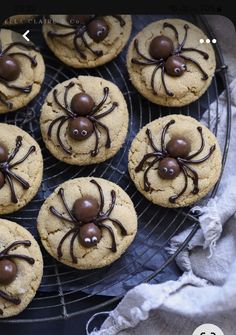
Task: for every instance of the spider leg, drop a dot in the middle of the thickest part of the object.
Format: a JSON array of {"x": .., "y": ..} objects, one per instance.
[
  {"x": 19, "y": 44},
  {"x": 23, "y": 182},
  {"x": 203, "y": 53},
  {"x": 186, "y": 27},
  {"x": 100, "y": 193},
  {"x": 60, "y": 105},
  {"x": 82, "y": 55},
  {"x": 74, "y": 259},
  {"x": 104, "y": 99},
  {"x": 31, "y": 149},
  {"x": 119, "y": 224},
  {"x": 108, "y": 141},
  {"x": 26, "y": 89},
  {"x": 120, "y": 19},
  {"x": 175, "y": 197},
  {"x": 112, "y": 204},
  {"x": 53, "y": 34},
  {"x": 136, "y": 46},
  {"x": 59, "y": 251},
  {"x": 163, "y": 135},
  {"x": 97, "y": 53},
  {"x": 193, "y": 176},
  {"x": 94, "y": 152},
  {"x": 201, "y": 147},
  {"x": 109, "y": 229},
  {"x": 212, "y": 148},
  {"x": 157, "y": 67},
  {"x": 147, "y": 185},
  {"x": 7, "y": 297},
  {"x": 139, "y": 167},
  {"x": 17, "y": 148},
  {"x": 27, "y": 243},
  {"x": 169, "y": 25},
  {"x": 62, "y": 195},
  {"x": 3, "y": 100},
  {"x": 13, "y": 193},
  {"x": 139, "y": 62},
  {"x": 28, "y": 259},
  {"x": 67, "y": 88},
  {"x": 149, "y": 135},
  {"x": 52, "y": 124},
  {"x": 164, "y": 83},
  {"x": 55, "y": 212},
  {"x": 205, "y": 75},
  {"x": 67, "y": 150},
  {"x": 31, "y": 59},
  {"x": 114, "y": 105}
]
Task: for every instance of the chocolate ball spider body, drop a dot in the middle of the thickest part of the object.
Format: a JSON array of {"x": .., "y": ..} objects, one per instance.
[
  {"x": 169, "y": 59},
  {"x": 95, "y": 26},
  {"x": 83, "y": 118},
  {"x": 10, "y": 69},
  {"x": 88, "y": 219},
  {"x": 6, "y": 165},
  {"x": 172, "y": 159},
  {"x": 9, "y": 270}
]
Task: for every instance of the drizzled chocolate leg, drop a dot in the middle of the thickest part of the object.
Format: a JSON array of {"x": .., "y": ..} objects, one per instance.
[
  {"x": 100, "y": 193},
  {"x": 5, "y": 251},
  {"x": 114, "y": 105},
  {"x": 12, "y": 45},
  {"x": 60, "y": 105},
  {"x": 120, "y": 19},
  {"x": 74, "y": 259},
  {"x": 67, "y": 89},
  {"x": 23, "y": 182},
  {"x": 26, "y": 89},
  {"x": 30, "y": 151},
  {"x": 62, "y": 122},
  {"x": 109, "y": 229},
  {"x": 53, "y": 123},
  {"x": 139, "y": 167},
  {"x": 169, "y": 25},
  {"x": 59, "y": 251},
  {"x": 203, "y": 53},
  {"x": 200, "y": 160},
  {"x": 147, "y": 185},
  {"x": 201, "y": 147},
  {"x": 97, "y": 53},
  {"x": 205, "y": 75},
  {"x": 17, "y": 148},
  {"x": 153, "y": 78},
  {"x": 62, "y": 195},
  {"x": 175, "y": 197},
  {"x": 164, "y": 83},
  {"x": 31, "y": 59},
  {"x": 13, "y": 193},
  {"x": 186, "y": 27},
  {"x": 112, "y": 204},
  {"x": 163, "y": 135},
  {"x": 108, "y": 141},
  {"x": 136, "y": 47},
  {"x": 82, "y": 55},
  {"x": 7, "y": 297},
  {"x": 94, "y": 152},
  {"x": 149, "y": 135},
  {"x": 120, "y": 225},
  {"x": 104, "y": 99},
  {"x": 194, "y": 177},
  {"x": 55, "y": 212},
  {"x": 8, "y": 104}
]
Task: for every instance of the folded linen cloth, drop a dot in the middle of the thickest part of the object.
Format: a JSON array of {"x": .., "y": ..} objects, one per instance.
[{"x": 206, "y": 292}]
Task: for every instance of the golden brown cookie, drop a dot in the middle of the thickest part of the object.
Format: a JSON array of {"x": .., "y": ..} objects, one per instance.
[
  {"x": 86, "y": 41},
  {"x": 21, "y": 268},
  {"x": 21, "y": 168},
  {"x": 174, "y": 161},
  {"x": 167, "y": 63},
  {"x": 87, "y": 223},
  {"x": 84, "y": 120},
  {"x": 22, "y": 71}
]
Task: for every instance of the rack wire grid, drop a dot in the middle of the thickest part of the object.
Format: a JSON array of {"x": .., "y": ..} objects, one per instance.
[{"x": 66, "y": 292}]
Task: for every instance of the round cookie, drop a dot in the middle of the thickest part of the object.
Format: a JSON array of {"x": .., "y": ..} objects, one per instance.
[
  {"x": 20, "y": 275},
  {"x": 90, "y": 126},
  {"x": 21, "y": 168},
  {"x": 174, "y": 161},
  {"x": 86, "y": 41},
  {"x": 167, "y": 63},
  {"x": 22, "y": 71},
  {"x": 87, "y": 223}
]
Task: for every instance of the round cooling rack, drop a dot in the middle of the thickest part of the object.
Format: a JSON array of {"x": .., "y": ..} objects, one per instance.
[{"x": 66, "y": 292}]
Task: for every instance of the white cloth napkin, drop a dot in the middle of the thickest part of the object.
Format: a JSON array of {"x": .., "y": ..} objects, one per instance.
[{"x": 206, "y": 292}]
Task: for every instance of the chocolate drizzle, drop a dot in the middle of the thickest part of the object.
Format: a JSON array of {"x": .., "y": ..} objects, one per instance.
[
  {"x": 5, "y": 57},
  {"x": 82, "y": 131},
  {"x": 4, "y": 255},
  {"x": 169, "y": 166},
  {"x": 168, "y": 59},
  {"x": 85, "y": 23},
  {"x": 85, "y": 228},
  {"x": 6, "y": 165}
]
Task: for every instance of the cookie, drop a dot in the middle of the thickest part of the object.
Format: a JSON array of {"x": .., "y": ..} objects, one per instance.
[
  {"x": 84, "y": 120},
  {"x": 86, "y": 41},
  {"x": 21, "y": 168},
  {"x": 22, "y": 71},
  {"x": 87, "y": 223},
  {"x": 167, "y": 63},
  {"x": 174, "y": 161},
  {"x": 21, "y": 268}
]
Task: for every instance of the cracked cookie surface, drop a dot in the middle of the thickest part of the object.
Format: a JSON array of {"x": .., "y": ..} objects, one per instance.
[
  {"x": 111, "y": 46},
  {"x": 162, "y": 189},
  {"x": 28, "y": 276},
  {"x": 117, "y": 122},
  {"x": 29, "y": 74},
  {"x": 186, "y": 88},
  {"x": 52, "y": 229},
  {"x": 31, "y": 169}
]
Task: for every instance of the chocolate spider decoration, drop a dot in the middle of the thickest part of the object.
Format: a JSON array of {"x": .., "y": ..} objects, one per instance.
[
  {"x": 172, "y": 159},
  {"x": 82, "y": 117},
  {"x": 167, "y": 58},
  {"x": 94, "y": 25},
  {"x": 87, "y": 217},
  {"x": 6, "y": 165},
  {"x": 8, "y": 268},
  {"x": 10, "y": 69}
]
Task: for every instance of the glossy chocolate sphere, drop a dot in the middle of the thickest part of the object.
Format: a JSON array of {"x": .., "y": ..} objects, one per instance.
[
  {"x": 168, "y": 168},
  {"x": 178, "y": 147},
  {"x": 86, "y": 209},
  {"x": 8, "y": 271},
  {"x": 98, "y": 30},
  {"x": 161, "y": 47},
  {"x": 9, "y": 68},
  {"x": 80, "y": 128},
  {"x": 89, "y": 235},
  {"x": 82, "y": 104},
  {"x": 175, "y": 66}
]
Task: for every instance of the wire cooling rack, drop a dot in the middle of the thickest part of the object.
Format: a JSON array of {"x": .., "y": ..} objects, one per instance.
[{"x": 66, "y": 292}]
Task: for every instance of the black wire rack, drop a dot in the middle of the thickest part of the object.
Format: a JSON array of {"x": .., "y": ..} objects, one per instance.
[{"x": 66, "y": 292}]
